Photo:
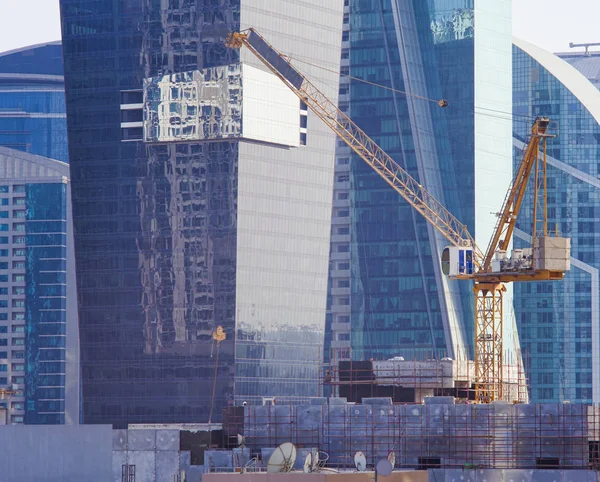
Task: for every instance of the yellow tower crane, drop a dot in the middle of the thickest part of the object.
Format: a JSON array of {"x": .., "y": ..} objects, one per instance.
[{"x": 548, "y": 258}]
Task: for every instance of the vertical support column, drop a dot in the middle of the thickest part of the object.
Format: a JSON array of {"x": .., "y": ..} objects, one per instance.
[{"x": 488, "y": 341}]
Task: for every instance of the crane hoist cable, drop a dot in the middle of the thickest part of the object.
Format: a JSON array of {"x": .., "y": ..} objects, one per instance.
[
  {"x": 439, "y": 102},
  {"x": 443, "y": 102}
]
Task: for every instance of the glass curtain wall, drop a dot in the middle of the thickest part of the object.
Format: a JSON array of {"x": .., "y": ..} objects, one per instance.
[{"x": 399, "y": 302}]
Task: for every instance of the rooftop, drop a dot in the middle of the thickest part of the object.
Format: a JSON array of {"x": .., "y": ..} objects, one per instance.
[
  {"x": 588, "y": 65},
  {"x": 41, "y": 59}
]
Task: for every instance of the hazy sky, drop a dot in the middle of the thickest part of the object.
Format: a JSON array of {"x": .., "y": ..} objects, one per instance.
[{"x": 551, "y": 24}]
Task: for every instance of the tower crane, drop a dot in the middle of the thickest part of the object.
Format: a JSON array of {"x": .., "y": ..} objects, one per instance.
[{"x": 548, "y": 257}]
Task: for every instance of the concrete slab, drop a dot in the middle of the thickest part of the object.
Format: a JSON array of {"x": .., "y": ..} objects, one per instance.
[
  {"x": 119, "y": 459},
  {"x": 167, "y": 465},
  {"x": 167, "y": 440},
  {"x": 119, "y": 439},
  {"x": 145, "y": 464},
  {"x": 141, "y": 440}
]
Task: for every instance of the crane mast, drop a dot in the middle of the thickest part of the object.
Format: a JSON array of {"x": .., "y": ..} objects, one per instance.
[{"x": 548, "y": 259}]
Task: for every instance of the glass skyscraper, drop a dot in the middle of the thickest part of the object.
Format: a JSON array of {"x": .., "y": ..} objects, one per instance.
[
  {"x": 39, "y": 345},
  {"x": 559, "y": 321},
  {"x": 32, "y": 101},
  {"x": 175, "y": 240},
  {"x": 387, "y": 294}
]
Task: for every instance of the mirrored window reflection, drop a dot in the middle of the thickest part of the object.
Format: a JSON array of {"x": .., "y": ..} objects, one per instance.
[{"x": 155, "y": 226}]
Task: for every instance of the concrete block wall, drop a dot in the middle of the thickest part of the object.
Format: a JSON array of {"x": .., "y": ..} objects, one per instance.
[
  {"x": 55, "y": 453},
  {"x": 154, "y": 453}
]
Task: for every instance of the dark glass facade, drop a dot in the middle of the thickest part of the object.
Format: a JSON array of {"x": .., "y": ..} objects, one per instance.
[
  {"x": 161, "y": 262},
  {"x": 32, "y": 101},
  {"x": 150, "y": 222},
  {"x": 399, "y": 303},
  {"x": 558, "y": 321}
]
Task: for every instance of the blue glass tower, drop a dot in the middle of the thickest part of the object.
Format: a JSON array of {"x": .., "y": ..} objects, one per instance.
[
  {"x": 38, "y": 307},
  {"x": 559, "y": 321},
  {"x": 32, "y": 101},
  {"x": 388, "y": 296}
]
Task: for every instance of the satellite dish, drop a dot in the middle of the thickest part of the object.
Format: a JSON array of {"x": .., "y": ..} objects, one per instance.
[
  {"x": 308, "y": 463},
  {"x": 282, "y": 459},
  {"x": 315, "y": 461},
  {"x": 241, "y": 440},
  {"x": 360, "y": 461},
  {"x": 392, "y": 459},
  {"x": 384, "y": 468}
]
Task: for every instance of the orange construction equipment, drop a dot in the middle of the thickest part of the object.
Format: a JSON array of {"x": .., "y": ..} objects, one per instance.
[{"x": 548, "y": 257}]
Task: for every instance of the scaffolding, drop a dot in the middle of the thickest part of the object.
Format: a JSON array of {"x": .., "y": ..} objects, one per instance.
[{"x": 436, "y": 434}]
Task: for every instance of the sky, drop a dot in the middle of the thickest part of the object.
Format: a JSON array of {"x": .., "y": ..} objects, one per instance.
[{"x": 550, "y": 24}]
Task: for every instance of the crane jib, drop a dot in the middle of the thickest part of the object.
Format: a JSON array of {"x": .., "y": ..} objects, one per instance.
[{"x": 274, "y": 59}]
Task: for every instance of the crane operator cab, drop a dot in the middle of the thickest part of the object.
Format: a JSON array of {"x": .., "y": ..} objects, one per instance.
[{"x": 457, "y": 261}]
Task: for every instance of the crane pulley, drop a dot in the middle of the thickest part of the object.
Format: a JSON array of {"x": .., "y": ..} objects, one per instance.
[{"x": 547, "y": 259}]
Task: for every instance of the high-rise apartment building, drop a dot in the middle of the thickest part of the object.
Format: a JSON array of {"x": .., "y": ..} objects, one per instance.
[
  {"x": 39, "y": 361},
  {"x": 559, "y": 321},
  {"x": 388, "y": 296},
  {"x": 181, "y": 243},
  {"x": 38, "y": 302}
]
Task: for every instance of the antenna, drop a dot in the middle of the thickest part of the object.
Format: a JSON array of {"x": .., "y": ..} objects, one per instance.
[
  {"x": 360, "y": 461},
  {"x": 392, "y": 459},
  {"x": 384, "y": 468},
  {"x": 308, "y": 463},
  {"x": 282, "y": 459}
]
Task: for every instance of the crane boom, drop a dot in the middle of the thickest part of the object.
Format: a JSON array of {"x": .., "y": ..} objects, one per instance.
[
  {"x": 402, "y": 182},
  {"x": 507, "y": 218}
]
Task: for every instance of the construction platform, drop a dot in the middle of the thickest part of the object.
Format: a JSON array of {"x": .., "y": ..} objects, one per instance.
[{"x": 410, "y": 381}]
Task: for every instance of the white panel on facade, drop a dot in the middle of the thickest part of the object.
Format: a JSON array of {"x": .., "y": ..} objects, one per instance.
[
  {"x": 270, "y": 110},
  {"x": 227, "y": 102}
]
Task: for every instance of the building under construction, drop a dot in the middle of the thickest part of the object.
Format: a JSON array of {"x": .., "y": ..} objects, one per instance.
[
  {"x": 423, "y": 412},
  {"x": 436, "y": 434},
  {"x": 410, "y": 381}
]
